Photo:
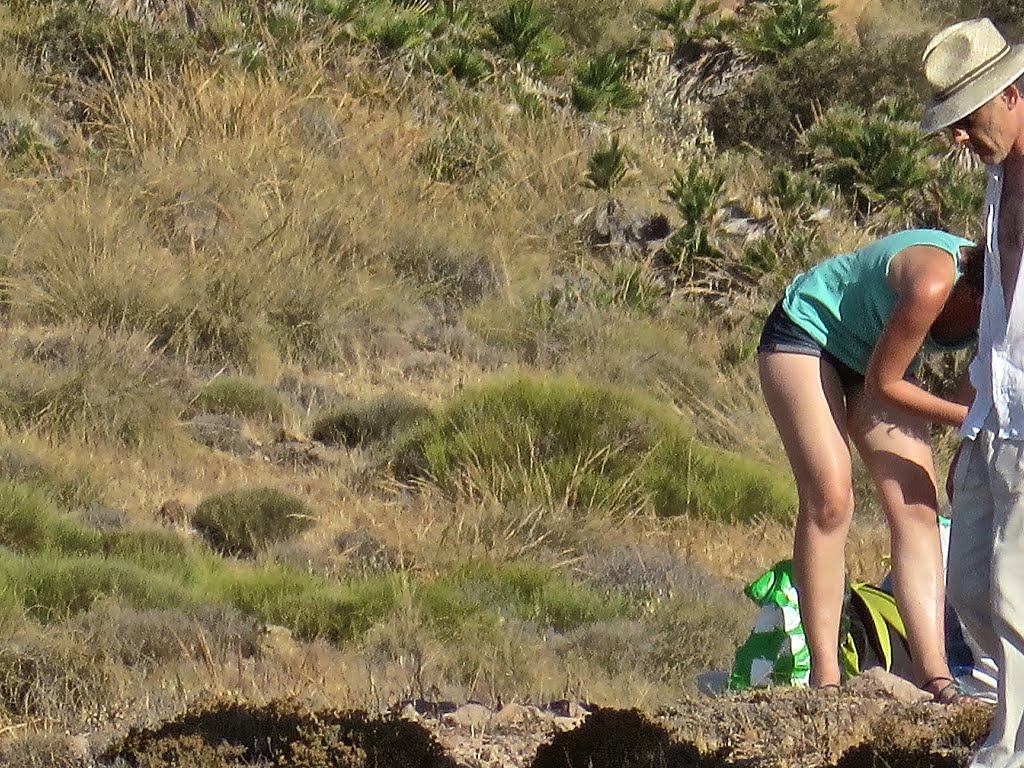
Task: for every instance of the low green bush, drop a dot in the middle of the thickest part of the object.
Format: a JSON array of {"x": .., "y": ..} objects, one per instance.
[
  {"x": 698, "y": 194},
  {"x": 78, "y": 38},
  {"x": 608, "y": 165},
  {"x": 368, "y": 422},
  {"x": 67, "y": 487},
  {"x": 53, "y": 586},
  {"x": 601, "y": 84},
  {"x": 560, "y": 441},
  {"x": 237, "y": 396},
  {"x": 767, "y": 109},
  {"x": 875, "y": 161},
  {"x": 527, "y": 592},
  {"x": 520, "y": 28},
  {"x": 395, "y": 27},
  {"x": 29, "y": 523},
  {"x": 781, "y": 26},
  {"x": 247, "y": 521},
  {"x": 460, "y": 60},
  {"x": 309, "y": 606}
]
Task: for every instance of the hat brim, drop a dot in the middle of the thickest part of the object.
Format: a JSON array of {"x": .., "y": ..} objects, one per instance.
[{"x": 939, "y": 114}]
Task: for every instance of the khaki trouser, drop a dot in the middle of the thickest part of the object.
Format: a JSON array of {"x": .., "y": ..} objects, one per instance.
[{"x": 985, "y": 577}]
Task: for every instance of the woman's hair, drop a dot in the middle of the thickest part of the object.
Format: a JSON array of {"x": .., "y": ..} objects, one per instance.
[{"x": 972, "y": 265}]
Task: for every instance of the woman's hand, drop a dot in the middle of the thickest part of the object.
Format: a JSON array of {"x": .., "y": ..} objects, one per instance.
[{"x": 922, "y": 277}]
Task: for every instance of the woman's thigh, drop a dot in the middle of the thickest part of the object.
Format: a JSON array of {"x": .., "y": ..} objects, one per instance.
[
  {"x": 896, "y": 449},
  {"x": 807, "y": 403}
]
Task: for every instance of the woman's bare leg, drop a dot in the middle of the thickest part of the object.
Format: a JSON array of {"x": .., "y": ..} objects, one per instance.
[
  {"x": 896, "y": 449},
  {"x": 806, "y": 401}
]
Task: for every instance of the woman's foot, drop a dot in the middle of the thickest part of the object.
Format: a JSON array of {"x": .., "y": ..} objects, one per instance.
[{"x": 944, "y": 690}]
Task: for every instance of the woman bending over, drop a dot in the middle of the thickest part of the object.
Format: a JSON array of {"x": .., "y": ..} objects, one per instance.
[{"x": 836, "y": 361}]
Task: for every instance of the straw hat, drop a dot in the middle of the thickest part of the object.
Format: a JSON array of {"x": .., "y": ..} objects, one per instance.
[{"x": 966, "y": 65}]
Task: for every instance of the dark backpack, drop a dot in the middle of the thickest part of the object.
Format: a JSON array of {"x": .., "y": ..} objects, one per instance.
[{"x": 876, "y": 632}]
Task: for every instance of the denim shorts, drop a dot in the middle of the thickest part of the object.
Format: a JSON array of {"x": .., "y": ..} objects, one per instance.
[{"x": 781, "y": 334}]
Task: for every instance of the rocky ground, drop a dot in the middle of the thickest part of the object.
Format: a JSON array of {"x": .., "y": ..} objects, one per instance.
[{"x": 876, "y": 720}]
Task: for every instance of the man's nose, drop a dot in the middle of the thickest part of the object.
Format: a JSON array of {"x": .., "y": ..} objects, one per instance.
[{"x": 959, "y": 136}]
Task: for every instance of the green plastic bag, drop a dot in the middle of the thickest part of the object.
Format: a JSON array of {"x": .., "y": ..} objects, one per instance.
[{"x": 776, "y": 651}]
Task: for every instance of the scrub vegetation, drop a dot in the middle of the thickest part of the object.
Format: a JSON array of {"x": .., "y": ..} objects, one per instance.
[{"x": 359, "y": 352}]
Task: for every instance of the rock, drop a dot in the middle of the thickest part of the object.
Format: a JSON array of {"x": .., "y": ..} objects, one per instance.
[
  {"x": 408, "y": 712},
  {"x": 426, "y": 707},
  {"x": 879, "y": 682},
  {"x": 278, "y": 641},
  {"x": 79, "y": 747},
  {"x": 475, "y": 716},
  {"x": 223, "y": 433},
  {"x": 518, "y": 714},
  {"x": 294, "y": 453},
  {"x": 567, "y": 723},
  {"x": 611, "y": 225},
  {"x": 568, "y": 708},
  {"x": 104, "y": 518}
]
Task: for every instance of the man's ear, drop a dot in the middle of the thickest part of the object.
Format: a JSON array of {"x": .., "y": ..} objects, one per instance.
[{"x": 1011, "y": 95}]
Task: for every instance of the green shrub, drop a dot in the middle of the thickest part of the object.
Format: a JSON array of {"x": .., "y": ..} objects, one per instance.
[
  {"x": 768, "y": 108},
  {"x": 285, "y": 21},
  {"x": 51, "y": 587},
  {"x": 785, "y": 250},
  {"x": 337, "y": 11},
  {"x": 368, "y": 422},
  {"x": 600, "y": 85},
  {"x": 30, "y": 524},
  {"x": 308, "y": 606},
  {"x": 635, "y": 287},
  {"x": 522, "y": 591},
  {"x": 875, "y": 162},
  {"x": 954, "y": 198},
  {"x": 520, "y": 28},
  {"x": 689, "y": 21},
  {"x": 395, "y": 28},
  {"x": 460, "y": 61},
  {"x": 66, "y": 487},
  {"x": 797, "y": 192},
  {"x": 560, "y": 442},
  {"x": 80, "y": 39},
  {"x": 607, "y": 165},
  {"x": 247, "y": 521},
  {"x": 782, "y": 26},
  {"x": 240, "y": 397},
  {"x": 698, "y": 193}
]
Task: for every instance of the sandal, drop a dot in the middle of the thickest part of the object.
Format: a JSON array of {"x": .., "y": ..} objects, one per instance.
[{"x": 950, "y": 693}]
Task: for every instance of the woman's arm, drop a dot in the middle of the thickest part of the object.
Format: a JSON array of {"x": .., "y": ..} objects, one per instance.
[{"x": 922, "y": 277}]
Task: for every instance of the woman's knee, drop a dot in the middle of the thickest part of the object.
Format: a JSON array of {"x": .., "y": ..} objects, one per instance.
[{"x": 828, "y": 513}]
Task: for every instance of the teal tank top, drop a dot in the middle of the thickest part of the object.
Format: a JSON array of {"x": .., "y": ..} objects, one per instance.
[{"x": 843, "y": 303}]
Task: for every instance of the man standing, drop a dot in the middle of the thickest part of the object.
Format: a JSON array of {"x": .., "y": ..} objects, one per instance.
[{"x": 975, "y": 76}]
